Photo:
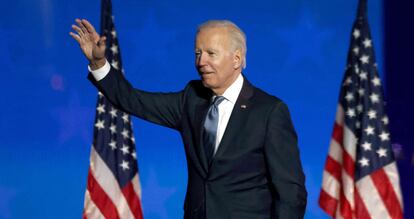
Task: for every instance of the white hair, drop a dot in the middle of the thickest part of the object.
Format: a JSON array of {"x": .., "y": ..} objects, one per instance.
[{"x": 238, "y": 38}]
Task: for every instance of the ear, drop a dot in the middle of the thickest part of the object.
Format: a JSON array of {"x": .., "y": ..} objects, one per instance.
[{"x": 237, "y": 59}]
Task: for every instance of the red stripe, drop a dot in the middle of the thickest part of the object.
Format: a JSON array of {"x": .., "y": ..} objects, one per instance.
[
  {"x": 345, "y": 207},
  {"x": 338, "y": 133},
  {"x": 101, "y": 200},
  {"x": 133, "y": 200},
  {"x": 328, "y": 203},
  {"x": 387, "y": 193},
  {"x": 348, "y": 162},
  {"x": 361, "y": 211},
  {"x": 84, "y": 216},
  {"x": 334, "y": 168}
]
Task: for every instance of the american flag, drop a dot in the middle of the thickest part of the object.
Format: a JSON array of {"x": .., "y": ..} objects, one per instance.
[
  {"x": 113, "y": 187},
  {"x": 360, "y": 179}
]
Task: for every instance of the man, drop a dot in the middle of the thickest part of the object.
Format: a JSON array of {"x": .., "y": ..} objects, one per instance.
[{"x": 240, "y": 144}]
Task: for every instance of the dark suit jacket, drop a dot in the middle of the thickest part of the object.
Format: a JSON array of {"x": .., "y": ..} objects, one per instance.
[{"x": 256, "y": 171}]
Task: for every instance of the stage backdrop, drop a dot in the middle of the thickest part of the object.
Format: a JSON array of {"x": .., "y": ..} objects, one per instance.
[{"x": 296, "y": 51}]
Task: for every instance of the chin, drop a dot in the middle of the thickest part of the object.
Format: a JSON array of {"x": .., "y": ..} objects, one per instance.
[{"x": 207, "y": 84}]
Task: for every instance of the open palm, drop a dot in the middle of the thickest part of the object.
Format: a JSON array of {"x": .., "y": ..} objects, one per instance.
[{"x": 92, "y": 45}]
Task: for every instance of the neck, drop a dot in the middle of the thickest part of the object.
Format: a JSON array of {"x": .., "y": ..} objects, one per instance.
[{"x": 220, "y": 91}]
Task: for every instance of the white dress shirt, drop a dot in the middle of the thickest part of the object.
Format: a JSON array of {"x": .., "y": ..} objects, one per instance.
[{"x": 225, "y": 108}]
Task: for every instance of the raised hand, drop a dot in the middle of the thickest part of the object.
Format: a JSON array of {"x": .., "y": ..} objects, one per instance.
[{"x": 92, "y": 45}]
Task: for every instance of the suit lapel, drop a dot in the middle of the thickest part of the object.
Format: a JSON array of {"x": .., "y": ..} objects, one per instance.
[
  {"x": 200, "y": 112},
  {"x": 237, "y": 118}
]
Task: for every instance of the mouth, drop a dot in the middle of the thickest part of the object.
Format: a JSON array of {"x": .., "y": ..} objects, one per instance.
[
  {"x": 205, "y": 75},
  {"x": 206, "y": 72}
]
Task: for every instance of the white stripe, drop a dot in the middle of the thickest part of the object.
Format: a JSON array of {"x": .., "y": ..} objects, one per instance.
[
  {"x": 335, "y": 151},
  {"x": 137, "y": 188},
  {"x": 348, "y": 188},
  {"x": 372, "y": 200},
  {"x": 392, "y": 174},
  {"x": 137, "y": 185},
  {"x": 109, "y": 184},
  {"x": 330, "y": 185},
  {"x": 349, "y": 145},
  {"x": 350, "y": 142},
  {"x": 90, "y": 209},
  {"x": 339, "y": 115}
]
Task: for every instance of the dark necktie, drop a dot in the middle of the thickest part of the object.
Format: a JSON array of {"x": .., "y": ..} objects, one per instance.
[{"x": 210, "y": 127}]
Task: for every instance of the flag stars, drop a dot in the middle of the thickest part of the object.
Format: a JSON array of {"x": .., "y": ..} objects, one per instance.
[
  {"x": 382, "y": 152},
  {"x": 112, "y": 128},
  {"x": 124, "y": 165},
  {"x": 112, "y": 145},
  {"x": 125, "y": 118},
  {"x": 369, "y": 130},
  {"x": 350, "y": 112},
  {"x": 115, "y": 64},
  {"x": 125, "y": 133},
  {"x": 361, "y": 91},
  {"x": 366, "y": 146},
  {"x": 134, "y": 155},
  {"x": 364, "y": 162},
  {"x": 356, "y": 33},
  {"x": 358, "y": 124},
  {"x": 374, "y": 98},
  {"x": 376, "y": 81},
  {"x": 372, "y": 114},
  {"x": 364, "y": 59},
  {"x": 349, "y": 96},
  {"x": 100, "y": 124},
  {"x": 113, "y": 112},
  {"x": 114, "y": 49},
  {"x": 113, "y": 32},
  {"x": 367, "y": 43},
  {"x": 100, "y": 108},
  {"x": 348, "y": 81},
  {"x": 356, "y": 69},
  {"x": 133, "y": 139},
  {"x": 384, "y": 136},
  {"x": 363, "y": 75},
  {"x": 356, "y": 50},
  {"x": 385, "y": 120},
  {"x": 125, "y": 149},
  {"x": 360, "y": 108}
]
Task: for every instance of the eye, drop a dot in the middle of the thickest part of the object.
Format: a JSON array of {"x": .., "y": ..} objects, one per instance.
[{"x": 211, "y": 53}]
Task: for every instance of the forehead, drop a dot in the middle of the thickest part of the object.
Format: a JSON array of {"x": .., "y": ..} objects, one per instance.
[{"x": 212, "y": 35}]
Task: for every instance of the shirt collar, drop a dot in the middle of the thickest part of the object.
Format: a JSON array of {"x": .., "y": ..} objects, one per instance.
[{"x": 232, "y": 93}]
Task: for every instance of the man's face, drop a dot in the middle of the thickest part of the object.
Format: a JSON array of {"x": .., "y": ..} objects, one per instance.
[{"x": 215, "y": 61}]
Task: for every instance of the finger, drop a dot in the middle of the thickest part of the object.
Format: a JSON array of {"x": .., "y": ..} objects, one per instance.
[
  {"x": 75, "y": 36},
  {"x": 78, "y": 30},
  {"x": 88, "y": 26},
  {"x": 81, "y": 26}
]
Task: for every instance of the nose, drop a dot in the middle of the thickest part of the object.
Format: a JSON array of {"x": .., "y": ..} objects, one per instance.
[{"x": 201, "y": 59}]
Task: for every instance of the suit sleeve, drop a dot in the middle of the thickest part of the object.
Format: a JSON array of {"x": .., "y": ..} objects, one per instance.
[
  {"x": 285, "y": 169},
  {"x": 160, "y": 108}
]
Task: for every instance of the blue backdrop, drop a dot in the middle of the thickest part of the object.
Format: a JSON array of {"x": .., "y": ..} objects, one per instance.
[{"x": 296, "y": 50}]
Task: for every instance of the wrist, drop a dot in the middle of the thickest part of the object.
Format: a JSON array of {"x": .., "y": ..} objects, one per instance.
[{"x": 97, "y": 64}]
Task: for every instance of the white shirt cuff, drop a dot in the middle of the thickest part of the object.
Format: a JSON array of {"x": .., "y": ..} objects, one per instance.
[{"x": 100, "y": 73}]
